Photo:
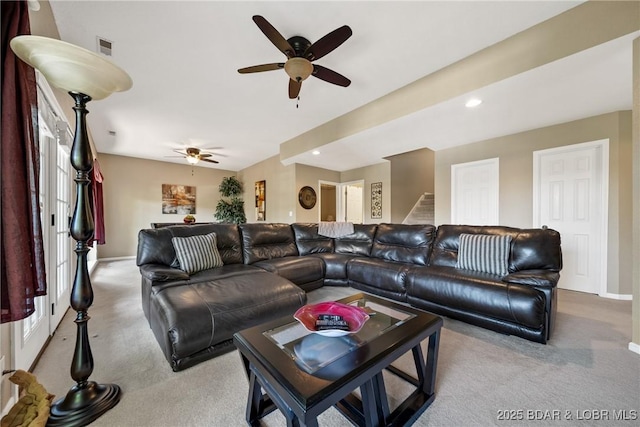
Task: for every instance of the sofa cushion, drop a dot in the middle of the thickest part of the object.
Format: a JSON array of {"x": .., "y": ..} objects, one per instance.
[
  {"x": 358, "y": 243},
  {"x": 483, "y": 252},
  {"x": 155, "y": 247},
  {"x": 378, "y": 276},
  {"x": 309, "y": 241},
  {"x": 301, "y": 270},
  {"x": 190, "y": 321},
  {"x": 403, "y": 243},
  {"x": 531, "y": 249},
  {"x": 266, "y": 241},
  {"x": 197, "y": 253},
  {"x": 477, "y": 292}
]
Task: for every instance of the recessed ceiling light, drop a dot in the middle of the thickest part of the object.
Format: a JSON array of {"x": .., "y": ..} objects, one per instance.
[
  {"x": 473, "y": 102},
  {"x": 315, "y": 152}
]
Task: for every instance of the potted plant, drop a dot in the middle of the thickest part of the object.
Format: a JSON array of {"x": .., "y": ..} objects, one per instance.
[{"x": 231, "y": 207}]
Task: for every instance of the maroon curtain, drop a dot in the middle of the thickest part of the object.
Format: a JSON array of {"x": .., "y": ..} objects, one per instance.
[
  {"x": 21, "y": 249},
  {"x": 98, "y": 204}
]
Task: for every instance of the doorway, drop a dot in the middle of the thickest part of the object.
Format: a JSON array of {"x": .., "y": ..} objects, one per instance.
[
  {"x": 31, "y": 334},
  {"x": 570, "y": 195},
  {"x": 341, "y": 201}
]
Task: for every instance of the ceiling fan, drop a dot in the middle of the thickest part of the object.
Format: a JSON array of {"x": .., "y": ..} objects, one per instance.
[
  {"x": 194, "y": 155},
  {"x": 300, "y": 54}
]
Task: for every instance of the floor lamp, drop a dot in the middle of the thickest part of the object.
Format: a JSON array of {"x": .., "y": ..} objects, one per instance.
[{"x": 86, "y": 76}]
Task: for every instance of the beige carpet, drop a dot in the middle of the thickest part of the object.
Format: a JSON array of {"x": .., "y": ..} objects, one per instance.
[{"x": 586, "y": 371}]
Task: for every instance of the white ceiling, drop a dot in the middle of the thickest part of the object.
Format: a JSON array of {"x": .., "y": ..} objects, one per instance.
[{"x": 183, "y": 58}]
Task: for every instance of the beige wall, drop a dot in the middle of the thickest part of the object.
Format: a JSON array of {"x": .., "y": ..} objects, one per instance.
[
  {"x": 635, "y": 135},
  {"x": 380, "y": 172},
  {"x": 133, "y": 197},
  {"x": 516, "y": 179},
  {"x": 309, "y": 175},
  {"x": 412, "y": 175},
  {"x": 280, "y": 185}
]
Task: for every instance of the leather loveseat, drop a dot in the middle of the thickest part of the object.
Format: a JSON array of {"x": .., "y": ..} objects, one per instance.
[{"x": 269, "y": 267}]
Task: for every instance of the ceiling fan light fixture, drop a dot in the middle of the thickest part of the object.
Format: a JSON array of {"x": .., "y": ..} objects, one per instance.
[
  {"x": 298, "y": 69},
  {"x": 192, "y": 160}
]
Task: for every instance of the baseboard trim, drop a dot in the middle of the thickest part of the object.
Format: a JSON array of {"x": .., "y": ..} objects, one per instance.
[
  {"x": 621, "y": 297},
  {"x": 634, "y": 347},
  {"x": 118, "y": 258}
]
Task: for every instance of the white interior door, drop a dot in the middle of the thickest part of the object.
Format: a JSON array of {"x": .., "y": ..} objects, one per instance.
[
  {"x": 351, "y": 203},
  {"x": 475, "y": 193},
  {"x": 570, "y": 196}
]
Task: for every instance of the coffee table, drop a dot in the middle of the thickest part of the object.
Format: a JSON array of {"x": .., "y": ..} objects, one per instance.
[{"x": 303, "y": 373}]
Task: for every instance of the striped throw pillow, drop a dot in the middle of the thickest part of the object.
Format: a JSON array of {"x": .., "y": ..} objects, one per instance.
[
  {"x": 197, "y": 253},
  {"x": 483, "y": 252}
]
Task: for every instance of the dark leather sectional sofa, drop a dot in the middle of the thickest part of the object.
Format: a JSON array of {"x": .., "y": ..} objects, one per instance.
[{"x": 269, "y": 267}]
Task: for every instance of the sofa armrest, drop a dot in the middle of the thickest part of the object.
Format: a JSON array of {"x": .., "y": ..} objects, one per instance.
[
  {"x": 162, "y": 273},
  {"x": 536, "y": 278}
]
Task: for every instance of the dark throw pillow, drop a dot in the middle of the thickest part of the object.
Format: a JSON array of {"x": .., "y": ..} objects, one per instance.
[
  {"x": 197, "y": 253},
  {"x": 485, "y": 253}
]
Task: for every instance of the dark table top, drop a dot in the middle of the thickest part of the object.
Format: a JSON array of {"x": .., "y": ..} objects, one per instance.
[{"x": 292, "y": 358}]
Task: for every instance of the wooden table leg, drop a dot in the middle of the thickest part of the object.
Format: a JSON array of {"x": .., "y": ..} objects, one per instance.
[{"x": 429, "y": 385}]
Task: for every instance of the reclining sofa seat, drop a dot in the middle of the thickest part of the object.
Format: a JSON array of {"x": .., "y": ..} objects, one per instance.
[
  {"x": 335, "y": 252},
  {"x": 194, "y": 317},
  {"x": 396, "y": 248},
  {"x": 522, "y": 303},
  {"x": 272, "y": 247}
]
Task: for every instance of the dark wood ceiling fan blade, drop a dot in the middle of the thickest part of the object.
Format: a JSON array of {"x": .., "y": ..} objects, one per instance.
[
  {"x": 274, "y": 36},
  {"x": 328, "y": 43},
  {"x": 260, "y": 68},
  {"x": 209, "y": 160},
  {"x": 330, "y": 76},
  {"x": 294, "y": 88},
  {"x": 205, "y": 155}
]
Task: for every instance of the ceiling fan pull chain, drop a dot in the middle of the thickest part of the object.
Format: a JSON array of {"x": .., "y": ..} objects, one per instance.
[{"x": 298, "y": 101}]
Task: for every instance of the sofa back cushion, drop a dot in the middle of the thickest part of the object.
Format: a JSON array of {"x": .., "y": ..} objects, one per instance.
[
  {"x": 359, "y": 242},
  {"x": 309, "y": 241},
  {"x": 155, "y": 247},
  {"x": 403, "y": 242},
  {"x": 266, "y": 241},
  {"x": 531, "y": 249}
]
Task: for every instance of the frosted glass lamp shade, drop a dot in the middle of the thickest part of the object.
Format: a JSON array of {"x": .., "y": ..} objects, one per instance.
[{"x": 70, "y": 67}]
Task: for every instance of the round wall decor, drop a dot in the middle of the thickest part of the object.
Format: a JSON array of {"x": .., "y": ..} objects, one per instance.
[{"x": 307, "y": 197}]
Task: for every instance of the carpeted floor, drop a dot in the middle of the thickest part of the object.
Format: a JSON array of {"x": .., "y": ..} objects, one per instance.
[{"x": 585, "y": 376}]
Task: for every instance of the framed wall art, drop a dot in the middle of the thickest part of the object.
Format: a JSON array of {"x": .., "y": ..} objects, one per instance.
[
  {"x": 261, "y": 200},
  {"x": 178, "y": 199},
  {"x": 376, "y": 200}
]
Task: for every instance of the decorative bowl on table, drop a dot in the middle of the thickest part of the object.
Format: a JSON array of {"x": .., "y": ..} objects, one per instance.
[{"x": 331, "y": 319}]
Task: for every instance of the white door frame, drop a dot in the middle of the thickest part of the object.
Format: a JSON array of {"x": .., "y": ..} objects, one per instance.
[{"x": 602, "y": 146}]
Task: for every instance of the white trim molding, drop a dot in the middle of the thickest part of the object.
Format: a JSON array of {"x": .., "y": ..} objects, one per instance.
[
  {"x": 117, "y": 258},
  {"x": 621, "y": 297},
  {"x": 634, "y": 347}
]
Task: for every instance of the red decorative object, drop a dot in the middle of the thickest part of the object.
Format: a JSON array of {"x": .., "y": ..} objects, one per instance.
[{"x": 353, "y": 315}]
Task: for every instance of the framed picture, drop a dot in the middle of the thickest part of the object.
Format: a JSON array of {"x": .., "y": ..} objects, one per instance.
[
  {"x": 261, "y": 200},
  {"x": 178, "y": 199},
  {"x": 376, "y": 200}
]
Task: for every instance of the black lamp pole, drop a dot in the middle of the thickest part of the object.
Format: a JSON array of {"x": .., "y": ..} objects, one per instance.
[{"x": 87, "y": 400}]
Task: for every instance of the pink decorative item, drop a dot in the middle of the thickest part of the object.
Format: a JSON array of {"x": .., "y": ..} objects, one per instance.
[{"x": 309, "y": 315}]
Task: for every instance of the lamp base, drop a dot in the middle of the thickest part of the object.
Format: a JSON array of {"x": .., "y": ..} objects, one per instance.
[{"x": 83, "y": 405}]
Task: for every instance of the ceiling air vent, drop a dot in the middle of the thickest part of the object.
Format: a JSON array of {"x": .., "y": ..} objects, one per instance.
[{"x": 104, "y": 46}]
